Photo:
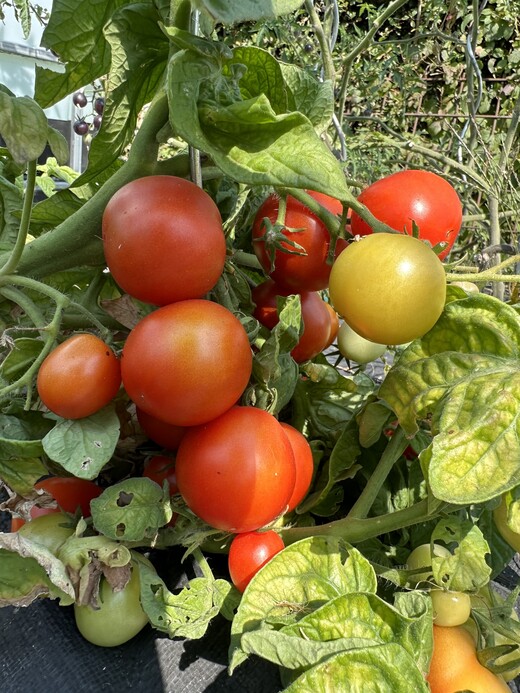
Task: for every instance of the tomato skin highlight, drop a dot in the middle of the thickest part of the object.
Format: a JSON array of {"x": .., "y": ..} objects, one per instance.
[
  {"x": 416, "y": 196},
  {"x": 300, "y": 272},
  {"x": 454, "y": 665},
  {"x": 389, "y": 287},
  {"x": 163, "y": 239},
  {"x": 187, "y": 363},
  {"x": 249, "y": 552},
  {"x": 119, "y": 618},
  {"x": 237, "y": 472},
  {"x": 304, "y": 464},
  {"x": 315, "y": 317},
  {"x": 164, "y": 434},
  {"x": 79, "y": 377}
]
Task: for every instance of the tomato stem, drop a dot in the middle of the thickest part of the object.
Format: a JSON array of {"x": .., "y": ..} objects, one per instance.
[
  {"x": 394, "y": 449},
  {"x": 16, "y": 253}
]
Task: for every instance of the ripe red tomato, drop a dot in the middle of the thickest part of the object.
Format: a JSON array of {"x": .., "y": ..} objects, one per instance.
[
  {"x": 164, "y": 434},
  {"x": 248, "y": 553},
  {"x": 237, "y": 472},
  {"x": 304, "y": 464},
  {"x": 334, "y": 325},
  {"x": 411, "y": 195},
  {"x": 79, "y": 377},
  {"x": 163, "y": 239},
  {"x": 158, "y": 468},
  {"x": 300, "y": 272},
  {"x": 315, "y": 316},
  {"x": 187, "y": 363}
]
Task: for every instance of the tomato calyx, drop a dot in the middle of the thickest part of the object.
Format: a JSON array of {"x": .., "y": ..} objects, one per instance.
[{"x": 275, "y": 239}]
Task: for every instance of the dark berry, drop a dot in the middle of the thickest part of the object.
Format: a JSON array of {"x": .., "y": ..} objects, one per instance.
[
  {"x": 80, "y": 127},
  {"x": 99, "y": 105},
  {"x": 96, "y": 123},
  {"x": 79, "y": 99}
]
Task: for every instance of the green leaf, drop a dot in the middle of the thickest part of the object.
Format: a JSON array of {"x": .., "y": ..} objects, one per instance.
[
  {"x": 295, "y": 582},
  {"x": 21, "y": 473},
  {"x": 139, "y": 53},
  {"x": 464, "y": 376},
  {"x": 309, "y": 96},
  {"x": 186, "y": 614},
  {"x": 246, "y": 10},
  {"x": 24, "y": 352},
  {"x": 341, "y": 465},
  {"x": 84, "y": 446},
  {"x": 283, "y": 337},
  {"x": 20, "y": 436},
  {"x": 59, "y": 145},
  {"x": 23, "y": 126},
  {"x": 466, "y": 569},
  {"x": 247, "y": 138},
  {"x": 131, "y": 510},
  {"x": 29, "y": 571},
  {"x": 75, "y": 34},
  {"x": 10, "y": 201},
  {"x": 377, "y": 669},
  {"x": 262, "y": 75},
  {"x": 23, "y": 11}
]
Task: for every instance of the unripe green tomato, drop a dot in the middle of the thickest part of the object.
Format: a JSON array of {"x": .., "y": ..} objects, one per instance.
[
  {"x": 356, "y": 348},
  {"x": 48, "y": 530},
  {"x": 119, "y": 618},
  {"x": 450, "y": 608},
  {"x": 421, "y": 557}
]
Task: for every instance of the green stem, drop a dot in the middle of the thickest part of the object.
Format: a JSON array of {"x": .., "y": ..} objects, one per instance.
[
  {"x": 354, "y": 530},
  {"x": 23, "y": 230},
  {"x": 394, "y": 449},
  {"x": 329, "y": 72},
  {"x": 77, "y": 241},
  {"x": 26, "y": 304}
]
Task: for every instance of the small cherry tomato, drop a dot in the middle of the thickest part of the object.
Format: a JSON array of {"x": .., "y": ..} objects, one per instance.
[
  {"x": 304, "y": 464},
  {"x": 79, "y": 377},
  {"x": 450, "y": 608},
  {"x": 315, "y": 317},
  {"x": 411, "y": 196},
  {"x": 249, "y": 552}
]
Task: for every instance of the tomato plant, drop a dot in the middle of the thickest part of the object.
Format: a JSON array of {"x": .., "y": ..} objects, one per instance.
[
  {"x": 79, "y": 377},
  {"x": 158, "y": 468},
  {"x": 454, "y": 665},
  {"x": 303, "y": 267},
  {"x": 186, "y": 363},
  {"x": 415, "y": 197},
  {"x": 164, "y": 434},
  {"x": 248, "y": 552},
  {"x": 247, "y": 466},
  {"x": 304, "y": 464},
  {"x": 149, "y": 243},
  {"x": 119, "y": 617},
  {"x": 315, "y": 318},
  {"x": 390, "y": 288}
]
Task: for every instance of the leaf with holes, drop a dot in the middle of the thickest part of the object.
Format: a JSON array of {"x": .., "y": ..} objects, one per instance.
[
  {"x": 84, "y": 446},
  {"x": 131, "y": 510}
]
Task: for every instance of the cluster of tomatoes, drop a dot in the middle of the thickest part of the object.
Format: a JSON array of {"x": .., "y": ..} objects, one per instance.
[{"x": 186, "y": 364}]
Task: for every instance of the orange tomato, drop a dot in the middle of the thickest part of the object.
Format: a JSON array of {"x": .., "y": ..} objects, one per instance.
[{"x": 455, "y": 667}]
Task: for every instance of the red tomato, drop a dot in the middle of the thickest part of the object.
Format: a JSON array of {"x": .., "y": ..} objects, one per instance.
[
  {"x": 248, "y": 553},
  {"x": 79, "y": 377},
  {"x": 70, "y": 493},
  {"x": 163, "y": 239},
  {"x": 164, "y": 434},
  {"x": 158, "y": 468},
  {"x": 300, "y": 272},
  {"x": 304, "y": 464},
  {"x": 419, "y": 196},
  {"x": 334, "y": 325},
  {"x": 237, "y": 472},
  {"x": 187, "y": 363},
  {"x": 315, "y": 317}
]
